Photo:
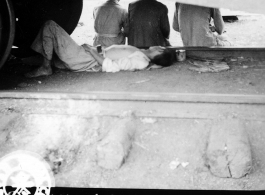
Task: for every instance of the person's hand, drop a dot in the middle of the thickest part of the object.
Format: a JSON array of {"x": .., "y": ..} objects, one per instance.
[
  {"x": 153, "y": 66},
  {"x": 89, "y": 48},
  {"x": 155, "y": 51},
  {"x": 93, "y": 49},
  {"x": 223, "y": 37},
  {"x": 86, "y": 47},
  {"x": 157, "y": 48}
]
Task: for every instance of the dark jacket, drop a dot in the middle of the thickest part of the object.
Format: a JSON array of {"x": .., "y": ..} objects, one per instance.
[{"x": 148, "y": 24}]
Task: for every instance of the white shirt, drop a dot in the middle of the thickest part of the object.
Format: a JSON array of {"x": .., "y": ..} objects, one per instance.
[{"x": 135, "y": 61}]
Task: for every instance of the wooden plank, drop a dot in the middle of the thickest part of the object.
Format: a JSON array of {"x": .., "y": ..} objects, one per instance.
[
  {"x": 153, "y": 109},
  {"x": 223, "y": 52},
  {"x": 187, "y": 106},
  {"x": 140, "y": 96}
]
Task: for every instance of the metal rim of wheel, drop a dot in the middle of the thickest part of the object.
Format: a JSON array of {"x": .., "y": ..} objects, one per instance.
[{"x": 7, "y": 29}]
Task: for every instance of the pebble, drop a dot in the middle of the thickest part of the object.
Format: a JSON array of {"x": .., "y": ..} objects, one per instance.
[
  {"x": 174, "y": 164},
  {"x": 148, "y": 120},
  {"x": 185, "y": 164},
  {"x": 142, "y": 81}
]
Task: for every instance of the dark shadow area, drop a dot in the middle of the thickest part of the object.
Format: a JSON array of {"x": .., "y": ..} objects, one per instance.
[
  {"x": 230, "y": 19},
  {"x": 22, "y": 52},
  {"x": 11, "y": 74},
  {"x": 111, "y": 191}
]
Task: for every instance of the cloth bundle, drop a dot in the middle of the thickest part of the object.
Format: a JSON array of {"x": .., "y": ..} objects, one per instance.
[{"x": 208, "y": 66}]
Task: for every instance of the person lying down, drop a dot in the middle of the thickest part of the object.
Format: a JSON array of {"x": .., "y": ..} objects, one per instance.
[{"x": 54, "y": 39}]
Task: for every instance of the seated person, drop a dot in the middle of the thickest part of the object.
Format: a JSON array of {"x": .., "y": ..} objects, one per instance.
[
  {"x": 148, "y": 24},
  {"x": 193, "y": 23},
  {"x": 110, "y": 24},
  {"x": 53, "y": 39}
]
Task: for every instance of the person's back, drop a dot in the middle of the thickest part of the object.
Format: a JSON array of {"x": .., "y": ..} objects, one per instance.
[
  {"x": 110, "y": 22},
  {"x": 148, "y": 24},
  {"x": 193, "y": 22}
]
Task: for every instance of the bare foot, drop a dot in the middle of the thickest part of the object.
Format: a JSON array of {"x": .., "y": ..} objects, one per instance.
[{"x": 41, "y": 71}]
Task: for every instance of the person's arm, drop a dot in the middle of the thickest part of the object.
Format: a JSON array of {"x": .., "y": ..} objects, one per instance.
[
  {"x": 218, "y": 21},
  {"x": 125, "y": 23},
  {"x": 93, "y": 51},
  {"x": 95, "y": 12},
  {"x": 176, "y": 19},
  {"x": 164, "y": 24}
]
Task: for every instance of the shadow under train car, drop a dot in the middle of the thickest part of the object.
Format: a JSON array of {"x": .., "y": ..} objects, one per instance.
[
  {"x": 7, "y": 29},
  {"x": 20, "y": 21}
]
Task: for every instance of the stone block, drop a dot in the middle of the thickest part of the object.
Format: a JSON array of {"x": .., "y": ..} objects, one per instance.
[
  {"x": 113, "y": 148},
  {"x": 228, "y": 153}
]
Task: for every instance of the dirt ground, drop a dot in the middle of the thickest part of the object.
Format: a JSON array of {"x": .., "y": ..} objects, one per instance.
[
  {"x": 157, "y": 143},
  {"x": 68, "y": 132},
  {"x": 241, "y": 79}
]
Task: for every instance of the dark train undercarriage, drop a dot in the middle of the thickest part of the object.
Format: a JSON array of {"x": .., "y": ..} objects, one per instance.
[{"x": 20, "y": 21}]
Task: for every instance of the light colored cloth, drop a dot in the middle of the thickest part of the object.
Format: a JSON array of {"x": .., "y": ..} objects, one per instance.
[
  {"x": 135, "y": 61},
  {"x": 204, "y": 66},
  {"x": 110, "y": 24},
  {"x": 222, "y": 40},
  {"x": 193, "y": 23},
  {"x": 52, "y": 38}
]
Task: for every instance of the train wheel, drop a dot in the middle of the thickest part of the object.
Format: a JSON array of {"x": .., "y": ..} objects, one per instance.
[
  {"x": 32, "y": 14},
  {"x": 27, "y": 16},
  {"x": 7, "y": 29}
]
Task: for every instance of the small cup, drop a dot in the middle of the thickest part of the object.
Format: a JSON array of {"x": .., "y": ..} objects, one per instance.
[{"x": 181, "y": 55}]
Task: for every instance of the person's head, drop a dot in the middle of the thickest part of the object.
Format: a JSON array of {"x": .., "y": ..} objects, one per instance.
[{"x": 162, "y": 56}]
